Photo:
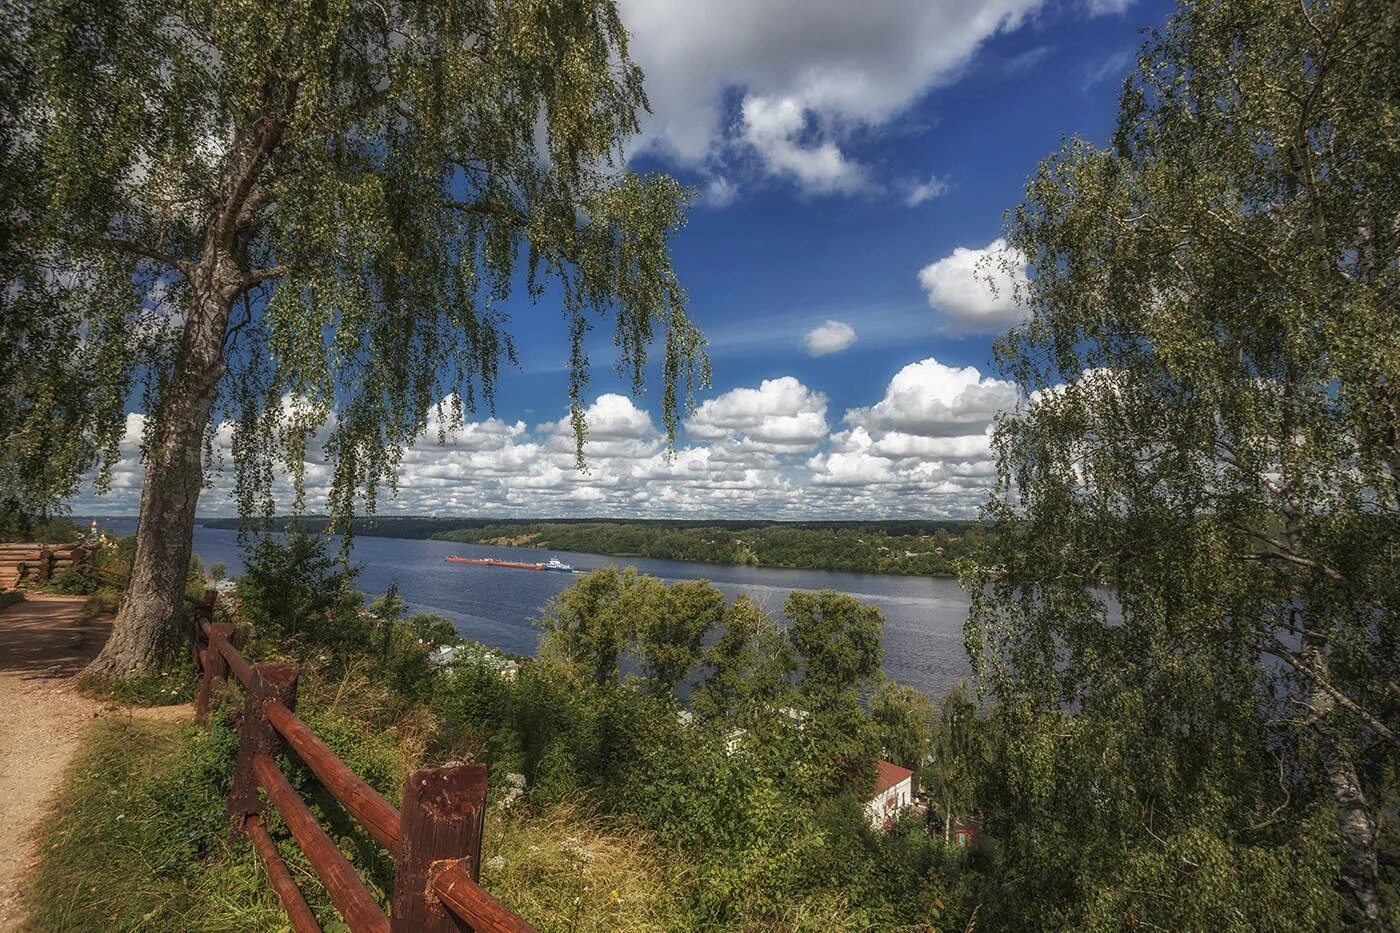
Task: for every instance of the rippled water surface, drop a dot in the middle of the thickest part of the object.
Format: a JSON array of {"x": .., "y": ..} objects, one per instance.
[{"x": 923, "y": 615}]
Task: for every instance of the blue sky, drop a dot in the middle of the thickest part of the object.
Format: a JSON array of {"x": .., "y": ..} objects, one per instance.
[{"x": 854, "y": 163}]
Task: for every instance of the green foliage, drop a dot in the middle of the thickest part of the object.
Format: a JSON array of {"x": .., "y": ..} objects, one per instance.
[
  {"x": 837, "y": 643},
  {"x": 589, "y": 625},
  {"x": 924, "y": 548},
  {"x": 10, "y": 597},
  {"x": 217, "y": 571},
  {"x": 1209, "y": 434},
  {"x": 347, "y": 192},
  {"x": 609, "y": 807},
  {"x": 71, "y": 581},
  {"x": 16, "y": 525},
  {"x": 672, "y": 627},
  {"x": 903, "y": 717},
  {"x": 298, "y": 598},
  {"x": 956, "y": 755},
  {"x": 745, "y": 668}
]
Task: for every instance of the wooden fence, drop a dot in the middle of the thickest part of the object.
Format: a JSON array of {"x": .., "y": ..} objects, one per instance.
[{"x": 435, "y": 840}]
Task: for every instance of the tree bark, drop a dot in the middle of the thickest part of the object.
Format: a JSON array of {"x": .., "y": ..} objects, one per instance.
[
  {"x": 147, "y": 632},
  {"x": 1358, "y": 871}
]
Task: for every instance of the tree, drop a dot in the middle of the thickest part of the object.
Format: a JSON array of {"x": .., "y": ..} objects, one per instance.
[
  {"x": 903, "y": 716},
  {"x": 1212, "y": 371},
  {"x": 217, "y": 571},
  {"x": 295, "y": 593},
  {"x": 954, "y": 755},
  {"x": 745, "y": 666},
  {"x": 671, "y": 630},
  {"x": 836, "y": 640},
  {"x": 588, "y": 626},
  {"x": 272, "y": 214}
]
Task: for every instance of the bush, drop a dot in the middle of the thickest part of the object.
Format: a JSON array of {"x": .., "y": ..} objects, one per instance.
[
  {"x": 102, "y": 602},
  {"x": 71, "y": 582},
  {"x": 297, "y": 599}
]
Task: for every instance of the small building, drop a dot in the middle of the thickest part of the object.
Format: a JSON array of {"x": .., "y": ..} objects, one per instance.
[
  {"x": 894, "y": 790},
  {"x": 473, "y": 653},
  {"x": 966, "y": 831}
]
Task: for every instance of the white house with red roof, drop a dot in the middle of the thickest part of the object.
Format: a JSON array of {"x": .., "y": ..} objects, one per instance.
[{"x": 894, "y": 790}]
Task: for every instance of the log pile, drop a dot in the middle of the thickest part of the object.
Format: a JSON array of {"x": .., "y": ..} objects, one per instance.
[{"x": 27, "y": 562}]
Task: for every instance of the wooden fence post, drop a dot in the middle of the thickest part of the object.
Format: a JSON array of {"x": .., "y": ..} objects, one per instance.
[
  {"x": 442, "y": 820},
  {"x": 203, "y": 612},
  {"x": 257, "y": 735},
  {"x": 45, "y": 570},
  {"x": 213, "y": 670}
]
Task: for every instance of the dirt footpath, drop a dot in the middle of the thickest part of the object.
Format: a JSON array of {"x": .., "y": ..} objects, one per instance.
[{"x": 43, "y": 642}]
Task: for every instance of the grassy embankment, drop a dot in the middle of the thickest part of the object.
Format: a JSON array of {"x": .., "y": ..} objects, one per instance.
[{"x": 138, "y": 839}]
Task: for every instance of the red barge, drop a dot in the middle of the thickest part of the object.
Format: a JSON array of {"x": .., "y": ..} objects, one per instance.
[{"x": 551, "y": 564}]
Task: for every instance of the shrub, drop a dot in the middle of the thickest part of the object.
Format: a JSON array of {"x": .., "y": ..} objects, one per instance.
[
  {"x": 72, "y": 582},
  {"x": 296, "y": 598}
]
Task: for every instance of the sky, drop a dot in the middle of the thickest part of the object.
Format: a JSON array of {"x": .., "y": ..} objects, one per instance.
[{"x": 854, "y": 162}]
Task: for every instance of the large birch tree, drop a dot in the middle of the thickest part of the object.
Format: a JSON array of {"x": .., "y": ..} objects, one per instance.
[
  {"x": 1212, "y": 364},
  {"x": 305, "y": 217}
]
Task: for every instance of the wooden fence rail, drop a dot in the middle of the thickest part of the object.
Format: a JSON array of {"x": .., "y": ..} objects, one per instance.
[
  {"x": 435, "y": 840},
  {"x": 33, "y": 562}
]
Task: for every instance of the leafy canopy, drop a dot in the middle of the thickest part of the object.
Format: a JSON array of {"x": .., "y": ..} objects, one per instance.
[
  {"x": 1211, "y": 437},
  {"x": 365, "y": 184}
]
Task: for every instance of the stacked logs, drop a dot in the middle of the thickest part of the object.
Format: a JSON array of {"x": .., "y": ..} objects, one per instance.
[{"x": 27, "y": 562}]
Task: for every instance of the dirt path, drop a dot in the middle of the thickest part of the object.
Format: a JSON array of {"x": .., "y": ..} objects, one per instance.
[{"x": 43, "y": 642}]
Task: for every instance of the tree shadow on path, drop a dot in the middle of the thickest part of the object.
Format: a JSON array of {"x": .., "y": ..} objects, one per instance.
[{"x": 48, "y": 637}]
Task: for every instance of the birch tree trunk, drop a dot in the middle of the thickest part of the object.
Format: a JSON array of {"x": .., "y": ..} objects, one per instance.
[
  {"x": 147, "y": 631},
  {"x": 1356, "y": 825}
]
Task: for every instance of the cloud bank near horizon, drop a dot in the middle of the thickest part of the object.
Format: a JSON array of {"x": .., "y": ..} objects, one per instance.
[{"x": 768, "y": 451}]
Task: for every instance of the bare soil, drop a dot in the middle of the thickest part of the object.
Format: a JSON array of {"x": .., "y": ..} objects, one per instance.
[{"x": 44, "y": 642}]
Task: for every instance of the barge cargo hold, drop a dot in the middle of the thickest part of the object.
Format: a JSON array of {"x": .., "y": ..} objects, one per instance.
[{"x": 551, "y": 564}]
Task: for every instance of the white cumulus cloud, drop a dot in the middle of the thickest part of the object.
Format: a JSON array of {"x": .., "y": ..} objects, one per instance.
[
  {"x": 829, "y": 337},
  {"x": 922, "y": 448},
  {"x": 777, "y": 128},
  {"x": 838, "y": 64},
  {"x": 929, "y": 399},
  {"x": 976, "y": 288},
  {"x": 780, "y": 415}
]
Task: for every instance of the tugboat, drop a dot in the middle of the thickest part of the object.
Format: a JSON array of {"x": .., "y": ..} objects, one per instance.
[{"x": 558, "y": 565}]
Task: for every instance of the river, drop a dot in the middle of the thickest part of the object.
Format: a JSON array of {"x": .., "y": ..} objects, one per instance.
[{"x": 923, "y": 615}]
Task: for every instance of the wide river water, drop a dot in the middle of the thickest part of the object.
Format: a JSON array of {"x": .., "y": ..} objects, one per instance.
[{"x": 923, "y": 615}]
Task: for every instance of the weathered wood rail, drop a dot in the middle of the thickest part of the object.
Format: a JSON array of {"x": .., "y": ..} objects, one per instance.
[
  {"x": 435, "y": 839},
  {"x": 31, "y": 561}
]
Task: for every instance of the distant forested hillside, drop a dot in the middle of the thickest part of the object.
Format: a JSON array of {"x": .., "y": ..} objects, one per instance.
[
  {"x": 899, "y": 547},
  {"x": 872, "y": 547}
]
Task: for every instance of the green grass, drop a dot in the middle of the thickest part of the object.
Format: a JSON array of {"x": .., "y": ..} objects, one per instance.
[
  {"x": 138, "y": 840},
  {"x": 10, "y": 597}
]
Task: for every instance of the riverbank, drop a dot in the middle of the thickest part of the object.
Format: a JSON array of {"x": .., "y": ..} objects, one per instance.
[
  {"x": 894, "y": 548},
  {"x": 924, "y": 616}
]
